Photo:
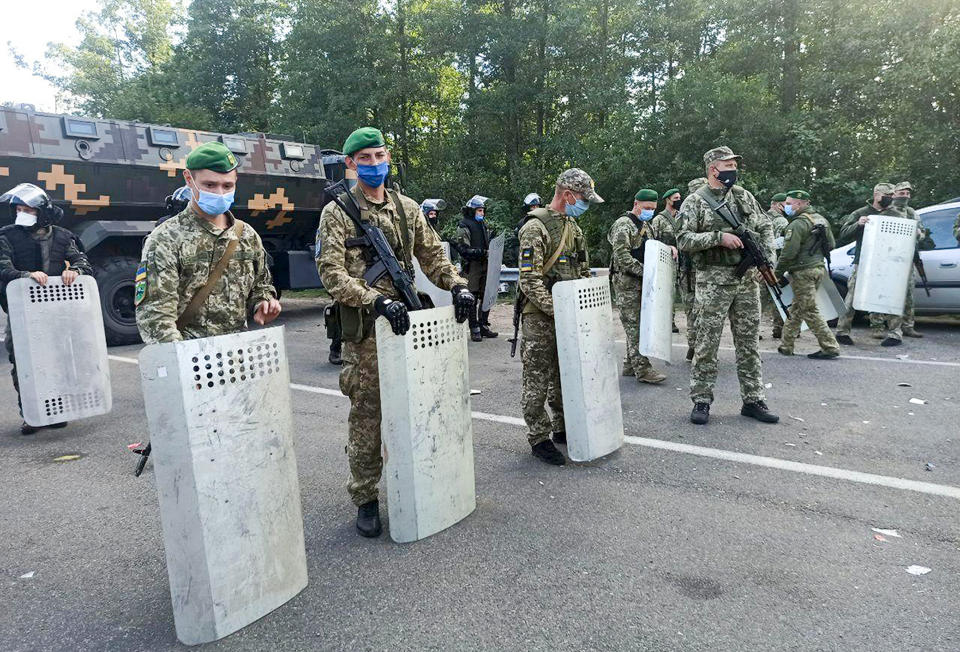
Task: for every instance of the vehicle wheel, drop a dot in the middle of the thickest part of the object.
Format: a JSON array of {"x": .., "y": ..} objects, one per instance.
[{"x": 115, "y": 278}]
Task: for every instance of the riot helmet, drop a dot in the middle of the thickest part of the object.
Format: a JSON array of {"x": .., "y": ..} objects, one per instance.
[
  {"x": 179, "y": 200},
  {"x": 31, "y": 196},
  {"x": 476, "y": 202},
  {"x": 532, "y": 200}
]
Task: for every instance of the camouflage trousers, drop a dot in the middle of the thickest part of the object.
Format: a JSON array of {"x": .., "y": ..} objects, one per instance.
[
  {"x": 360, "y": 381},
  {"x": 688, "y": 297},
  {"x": 805, "y": 283},
  {"x": 715, "y": 303},
  {"x": 894, "y": 324},
  {"x": 8, "y": 343},
  {"x": 845, "y": 321},
  {"x": 627, "y": 298},
  {"x": 541, "y": 378}
]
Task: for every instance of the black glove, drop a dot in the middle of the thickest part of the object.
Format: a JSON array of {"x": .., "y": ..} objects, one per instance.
[
  {"x": 395, "y": 313},
  {"x": 463, "y": 303}
]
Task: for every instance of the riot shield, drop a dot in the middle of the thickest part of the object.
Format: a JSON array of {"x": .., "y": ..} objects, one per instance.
[
  {"x": 829, "y": 302},
  {"x": 426, "y": 426},
  {"x": 589, "y": 375},
  {"x": 886, "y": 258},
  {"x": 425, "y": 285},
  {"x": 221, "y": 430},
  {"x": 656, "y": 301},
  {"x": 491, "y": 286},
  {"x": 61, "y": 349}
]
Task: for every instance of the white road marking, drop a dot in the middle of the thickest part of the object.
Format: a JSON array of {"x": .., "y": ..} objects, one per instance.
[{"x": 701, "y": 451}]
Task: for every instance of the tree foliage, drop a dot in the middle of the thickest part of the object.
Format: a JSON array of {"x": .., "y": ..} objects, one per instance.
[{"x": 497, "y": 96}]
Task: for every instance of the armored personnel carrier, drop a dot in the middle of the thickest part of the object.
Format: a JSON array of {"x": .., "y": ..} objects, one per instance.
[{"x": 112, "y": 178}]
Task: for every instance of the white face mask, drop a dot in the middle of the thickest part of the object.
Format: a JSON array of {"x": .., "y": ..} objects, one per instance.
[{"x": 25, "y": 219}]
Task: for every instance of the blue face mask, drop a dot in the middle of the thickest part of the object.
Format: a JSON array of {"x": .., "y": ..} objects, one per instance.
[
  {"x": 373, "y": 175},
  {"x": 578, "y": 209},
  {"x": 213, "y": 204},
  {"x": 478, "y": 217},
  {"x": 788, "y": 209},
  {"x": 646, "y": 214}
]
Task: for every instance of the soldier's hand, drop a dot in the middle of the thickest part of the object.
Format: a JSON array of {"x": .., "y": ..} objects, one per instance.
[
  {"x": 69, "y": 276},
  {"x": 730, "y": 241},
  {"x": 863, "y": 220},
  {"x": 673, "y": 252},
  {"x": 266, "y": 312},
  {"x": 39, "y": 277},
  {"x": 395, "y": 313},
  {"x": 463, "y": 303}
]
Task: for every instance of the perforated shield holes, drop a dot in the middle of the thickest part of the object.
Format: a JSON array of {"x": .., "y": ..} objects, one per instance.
[
  {"x": 656, "y": 301},
  {"x": 61, "y": 349}
]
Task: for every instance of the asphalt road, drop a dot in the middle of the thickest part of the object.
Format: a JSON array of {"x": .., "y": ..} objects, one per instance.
[{"x": 648, "y": 548}]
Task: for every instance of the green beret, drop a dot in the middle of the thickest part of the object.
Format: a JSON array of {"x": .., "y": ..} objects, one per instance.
[
  {"x": 672, "y": 191},
  {"x": 646, "y": 194},
  {"x": 362, "y": 138},
  {"x": 780, "y": 196},
  {"x": 212, "y": 156},
  {"x": 799, "y": 194}
]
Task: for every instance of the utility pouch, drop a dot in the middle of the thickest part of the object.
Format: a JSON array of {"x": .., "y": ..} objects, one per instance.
[{"x": 356, "y": 324}]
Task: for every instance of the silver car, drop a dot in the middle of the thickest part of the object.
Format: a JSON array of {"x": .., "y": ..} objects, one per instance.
[{"x": 942, "y": 264}]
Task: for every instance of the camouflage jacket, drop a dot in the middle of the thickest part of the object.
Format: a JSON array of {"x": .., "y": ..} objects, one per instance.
[
  {"x": 779, "y": 223},
  {"x": 800, "y": 250},
  {"x": 627, "y": 240},
  {"x": 540, "y": 238},
  {"x": 701, "y": 230},
  {"x": 341, "y": 267},
  {"x": 176, "y": 262},
  {"x": 667, "y": 226}
]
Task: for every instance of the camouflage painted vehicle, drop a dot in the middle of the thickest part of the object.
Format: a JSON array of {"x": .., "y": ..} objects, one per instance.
[{"x": 112, "y": 177}]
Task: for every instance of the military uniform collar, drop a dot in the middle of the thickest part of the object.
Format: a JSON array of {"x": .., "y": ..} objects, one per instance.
[
  {"x": 365, "y": 201},
  {"x": 207, "y": 225}
]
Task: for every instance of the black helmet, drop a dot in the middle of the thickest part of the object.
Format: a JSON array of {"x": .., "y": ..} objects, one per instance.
[
  {"x": 178, "y": 201},
  {"x": 27, "y": 194}
]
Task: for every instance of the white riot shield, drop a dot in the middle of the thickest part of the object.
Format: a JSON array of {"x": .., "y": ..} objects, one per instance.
[
  {"x": 426, "y": 426},
  {"x": 425, "y": 285},
  {"x": 492, "y": 284},
  {"x": 589, "y": 376},
  {"x": 222, "y": 438},
  {"x": 829, "y": 302},
  {"x": 656, "y": 301},
  {"x": 886, "y": 257},
  {"x": 61, "y": 349}
]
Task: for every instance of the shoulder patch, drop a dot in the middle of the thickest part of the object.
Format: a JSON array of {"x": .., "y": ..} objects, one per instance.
[
  {"x": 140, "y": 291},
  {"x": 526, "y": 259}
]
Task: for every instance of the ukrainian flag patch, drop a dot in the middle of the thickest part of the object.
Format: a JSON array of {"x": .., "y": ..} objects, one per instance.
[
  {"x": 140, "y": 291},
  {"x": 526, "y": 259}
]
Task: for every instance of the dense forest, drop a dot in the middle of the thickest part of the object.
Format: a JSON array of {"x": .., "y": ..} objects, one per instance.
[{"x": 496, "y": 97}]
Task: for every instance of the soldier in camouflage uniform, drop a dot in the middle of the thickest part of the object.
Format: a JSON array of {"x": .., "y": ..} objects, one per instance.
[
  {"x": 779, "y": 222},
  {"x": 851, "y": 230},
  {"x": 180, "y": 253},
  {"x": 804, "y": 241},
  {"x": 627, "y": 237},
  {"x": 342, "y": 264},
  {"x": 552, "y": 249},
  {"x": 716, "y": 252},
  {"x": 901, "y": 200},
  {"x": 34, "y": 247}
]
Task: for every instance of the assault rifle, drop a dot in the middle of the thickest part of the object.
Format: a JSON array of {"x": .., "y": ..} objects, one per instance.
[
  {"x": 753, "y": 255},
  {"x": 384, "y": 262},
  {"x": 518, "y": 306},
  {"x": 921, "y": 272}
]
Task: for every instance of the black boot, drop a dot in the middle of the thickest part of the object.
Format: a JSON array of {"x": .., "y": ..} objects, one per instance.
[
  {"x": 485, "y": 325},
  {"x": 547, "y": 452},
  {"x": 27, "y": 429},
  {"x": 335, "y": 357},
  {"x": 560, "y": 437},
  {"x": 891, "y": 341},
  {"x": 759, "y": 411},
  {"x": 700, "y": 414},
  {"x": 368, "y": 519},
  {"x": 475, "y": 335},
  {"x": 843, "y": 338}
]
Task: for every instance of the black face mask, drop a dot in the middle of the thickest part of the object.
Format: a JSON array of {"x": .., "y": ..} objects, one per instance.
[
  {"x": 901, "y": 202},
  {"x": 727, "y": 177},
  {"x": 676, "y": 204},
  {"x": 885, "y": 201}
]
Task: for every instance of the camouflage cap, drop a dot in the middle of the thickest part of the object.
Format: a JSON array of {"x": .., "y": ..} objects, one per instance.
[
  {"x": 672, "y": 191},
  {"x": 646, "y": 194},
  {"x": 577, "y": 180},
  {"x": 883, "y": 189},
  {"x": 799, "y": 194},
  {"x": 362, "y": 138},
  {"x": 722, "y": 153},
  {"x": 212, "y": 156},
  {"x": 694, "y": 184},
  {"x": 903, "y": 185},
  {"x": 780, "y": 196}
]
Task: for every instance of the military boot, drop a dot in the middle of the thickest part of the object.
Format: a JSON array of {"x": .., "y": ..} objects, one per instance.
[
  {"x": 547, "y": 452},
  {"x": 777, "y": 332},
  {"x": 485, "y": 325},
  {"x": 844, "y": 338},
  {"x": 368, "y": 519},
  {"x": 891, "y": 341},
  {"x": 910, "y": 331},
  {"x": 475, "y": 334},
  {"x": 652, "y": 377},
  {"x": 335, "y": 357},
  {"x": 560, "y": 437},
  {"x": 759, "y": 411},
  {"x": 700, "y": 414}
]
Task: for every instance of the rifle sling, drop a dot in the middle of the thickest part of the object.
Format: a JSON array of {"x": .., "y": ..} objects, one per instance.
[{"x": 190, "y": 312}]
